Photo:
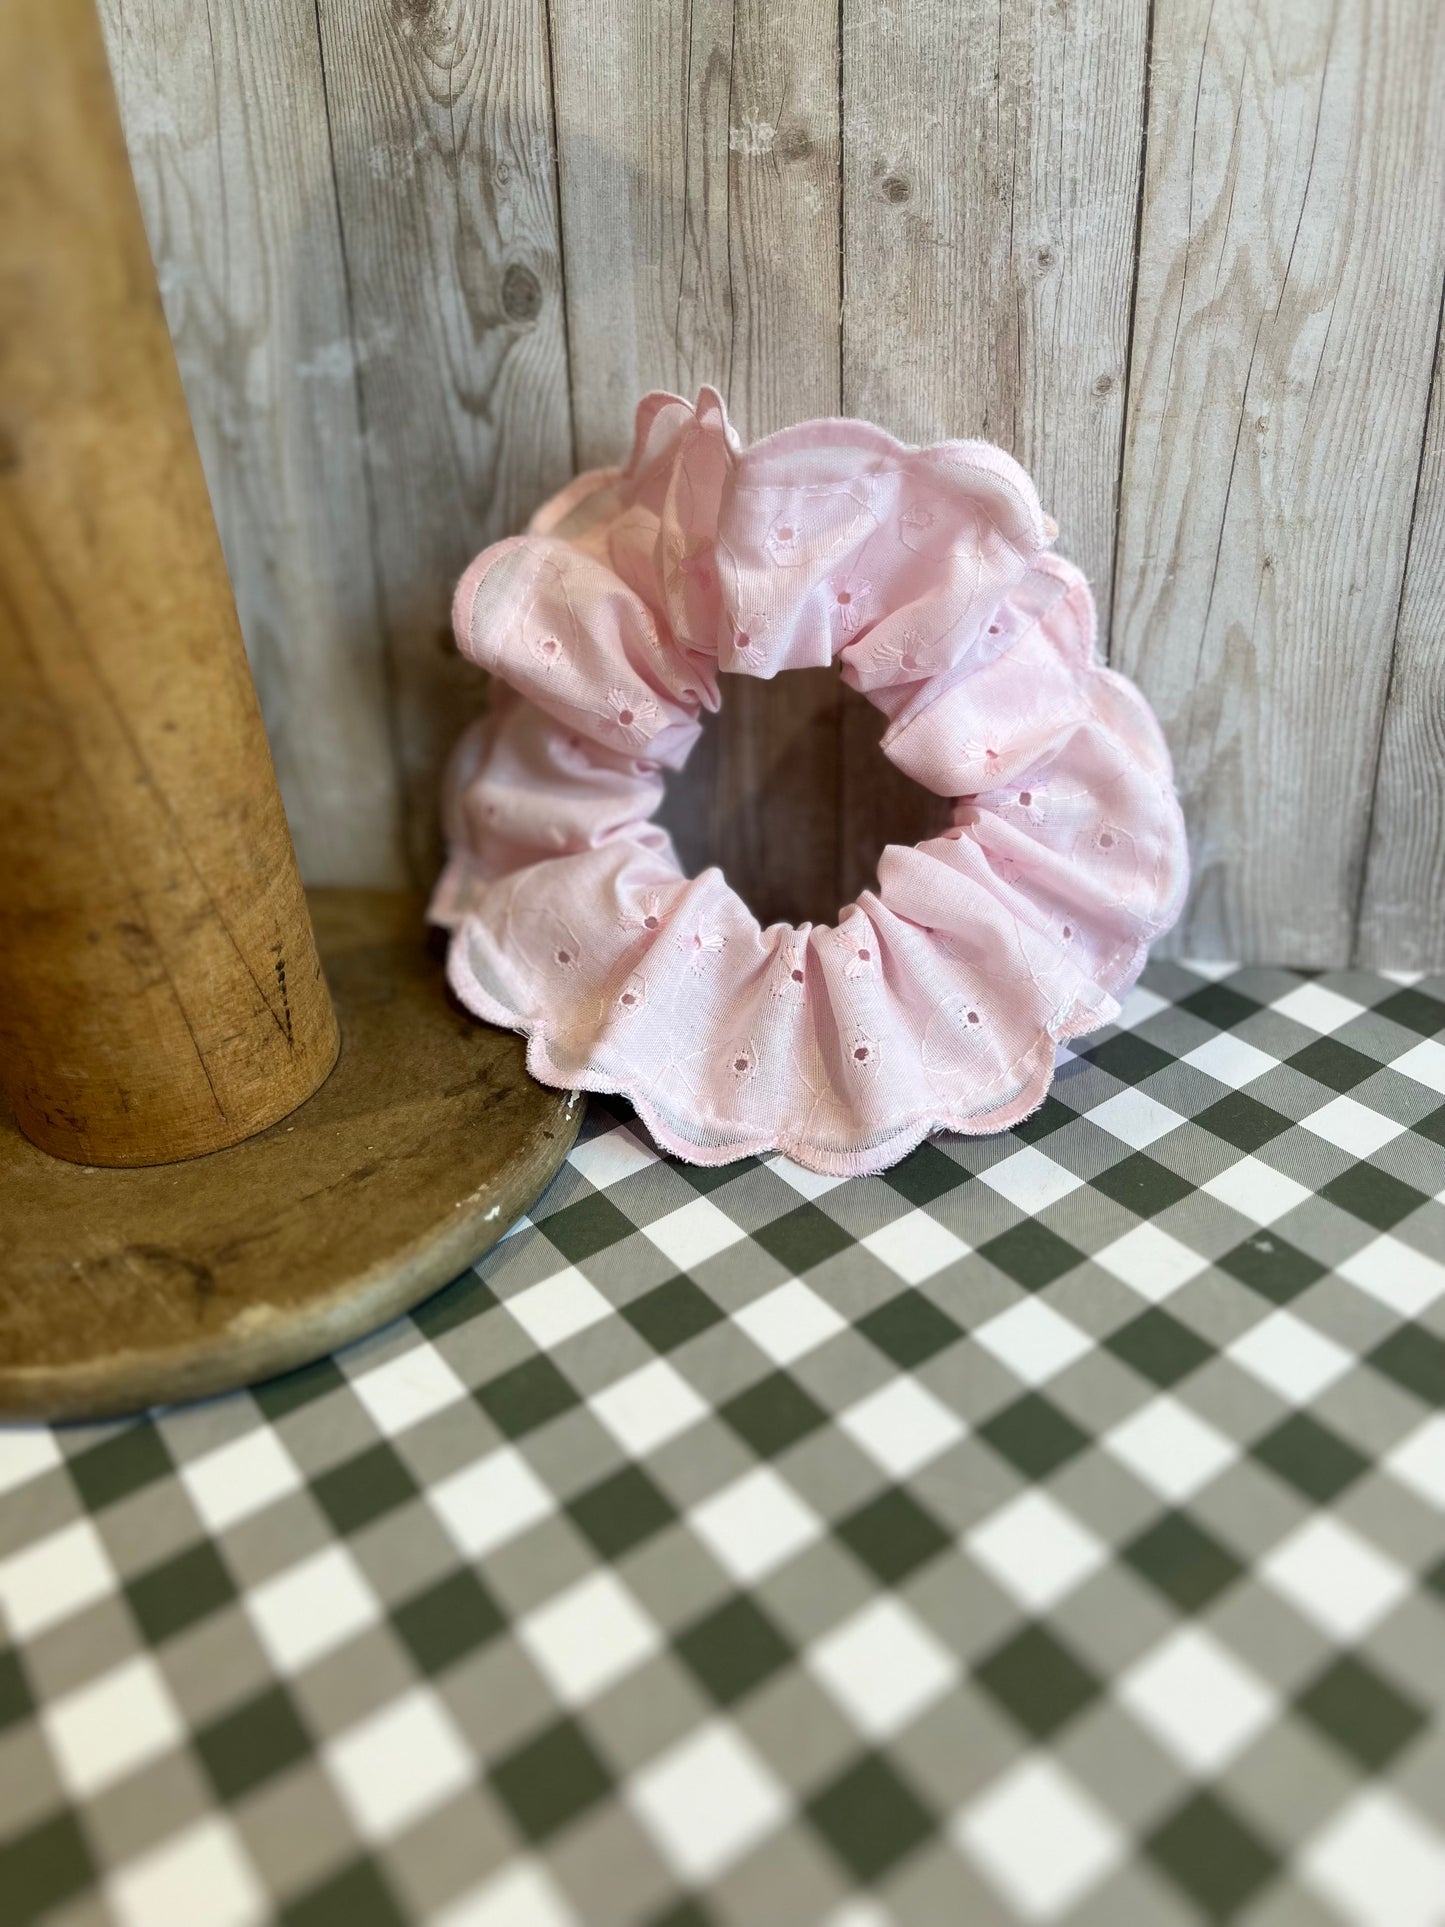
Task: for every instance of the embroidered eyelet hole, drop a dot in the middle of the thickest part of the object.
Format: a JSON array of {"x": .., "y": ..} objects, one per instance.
[
  {"x": 865, "y": 956},
  {"x": 651, "y": 923},
  {"x": 973, "y": 1017},
  {"x": 1106, "y": 839},
  {"x": 995, "y": 628},
  {"x": 1026, "y": 798},
  {"x": 1068, "y": 933},
  {"x": 786, "y": 533},
  {"x": 845, "y": 596},
  {"x": 797, "y": 976},
  {"x": 861, "y": 1053},
  {"x": 626, "y": 717},
  {"x": 564, "y": 955}
]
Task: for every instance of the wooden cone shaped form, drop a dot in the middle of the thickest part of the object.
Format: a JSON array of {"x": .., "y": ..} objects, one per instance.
[{"x": 161, "y": 995}]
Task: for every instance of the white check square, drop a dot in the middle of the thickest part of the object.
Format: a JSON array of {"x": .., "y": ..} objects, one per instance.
[
  {"x": 415, "y": 1385},
  {"x": 398, "y": 1764},
  {"x": 1138, "y": 1006},
  {"x": 611, "y": 1156},
  {"x": 25, "y": 1452},
  {"x": 902, "y": 1426},
  {"x": 1035, "y": 1550},
  {"x": 239, "y": 1479},
  {"x": 1197, "y": 1699},
  {"x": 1332, "y": 1576},
  {"x": 883, "y": 1667},
  {"x": 707, "y": 1801},
  {"x": 1396, "y": 1274},
  {"x": 1378, "y": 1864},
  {"x": 1135, "y": 1118},
  {"x": 1257, "y": 1191},
  {"x": 588, "y": 1637},
  {"x": 202, "y": 1874},
  {"x": 693, "y": 1233},
  {"x": 522, "y": 1895},
  {"x": 1030, "y": 1180},
  {"x": 1039, "y": 1839},
  {"x": 1229, "y": 1060},
  {"x": 1419, "y": 1461},
  {"x": 46, "y": 1582},
  {"x": 1033, "y": 1340},
  {"x": 789, "y": 1321},
  {"x": 1351, "y": 1126},
  {"x": 754, "y": 1524},
  {"x": 1317, "y": 1008},
  {"x": 648, "y": 1407},
  {"x": 314, "y": 1607},
  {"x": 559, "y": 1307},
  {"x": 112, "y": 1727},
  {"x": 1293, "y": 1359},
  {"x": 1148, "y": 1260},
  {"x": 1170, "y": 1448},
  {"x": 810, "y": 1184},
  {"x": 1425, "y": 1063},
  {"x": 484, "y": 1505},
  {"x": 915, "y": 1246}
]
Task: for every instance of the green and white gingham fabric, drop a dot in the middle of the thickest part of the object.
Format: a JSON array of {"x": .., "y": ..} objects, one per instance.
[{"x": 1050, "y": 1529}]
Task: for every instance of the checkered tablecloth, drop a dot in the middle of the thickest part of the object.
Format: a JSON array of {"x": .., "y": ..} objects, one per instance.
[{"x": 1051, "y": 1529}]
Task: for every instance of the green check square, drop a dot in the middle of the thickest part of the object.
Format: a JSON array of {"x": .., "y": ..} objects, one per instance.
[
  {"x": 1038, "y": 1681},
  {"x": 582, "y": 1229},
  {"x": 551, "y": 1779},
  {"x": 16, "y": 1702},
  {"x": 621, "y": 1511},
  {"x": 1243, "y": 1121},
  {"x": 909, "y": 1328},
  {"x": 1431, "y": 1127},
  {"x": 1414, "y": 1010},
  {"x": 1129, "y": 1058},
  {"x": 42, "y": 1868},
  {"x": 688, "y": 1912},
  {"x": 1272, "y": 1266},
  {"x": 1310, "y": 1457},
  {"x": 1051, "y": 1116},
  {"x": 671, "y": 1313},
  {"x": 446, "y": 1621},
  {"x": 1373, "y": 1195},
  {"x": 870, "y": 1817},
  {"x": 1031, "y": 1254},
  {"x": 1142, "y": 1184},
  {"x": 1034, "y": 1435},
  {"x": 1218, "y": 1005},
  {"x": 926, "y": 1174},
  {"x": 528, "y": 1395},
  {"x": 1414, "y": 1358},
  {"x": 253, "y": 1743},
  {"x": 733, "y": 1649},
  {"x": 802, "y": 1238},
  {"x": 1159, "y": 1347},
  {"x": 1183, "y": 1561},
  {"x": 893, "y": 1536},
  {"x": 1435, "y": 1578},
  {"x": 120, "y": 1465},
  {"x": 1366, "y": 1718},
  {"x": 1211, "y": 1855},
  {"x": 280, "y": 1396},
  {"x": 712, "y": 1177},
  {"x": 362, "y": 1489},
  {"x": 1334, "y": 1064},
  {"x": 175, "y": 1594},
  {"x": 357, "y": 1896},
  {"x": 773, "y": 1414},
  {"x": 458, "y": 1303}
]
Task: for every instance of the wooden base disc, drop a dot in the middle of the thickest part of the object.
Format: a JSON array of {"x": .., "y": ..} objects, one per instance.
[{"x": 121, "y": 1289}]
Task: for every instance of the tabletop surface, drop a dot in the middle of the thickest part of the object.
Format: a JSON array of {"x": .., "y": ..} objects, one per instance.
[{"x": 1050, "y": 1529}]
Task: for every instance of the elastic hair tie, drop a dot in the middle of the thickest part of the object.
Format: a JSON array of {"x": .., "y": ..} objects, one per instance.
[{"x": 936, "y": 1001}]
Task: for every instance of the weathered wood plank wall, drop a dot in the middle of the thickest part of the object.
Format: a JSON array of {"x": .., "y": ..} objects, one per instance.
[{"x": 1185, "y": 258}]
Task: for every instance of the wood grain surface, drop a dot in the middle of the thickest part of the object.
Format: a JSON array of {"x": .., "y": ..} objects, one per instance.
[{"x": 1184, "y": 259}]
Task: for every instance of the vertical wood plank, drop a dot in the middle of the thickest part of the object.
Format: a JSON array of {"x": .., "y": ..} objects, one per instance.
[
  {"x": 225, "y": 120},
  {"x": 440, "y": 128},
  {"x": 1289, "y": 287},
  {"x": 991, "y": 163},
  {"x": 698, "y": 155},
  {"x": 1402, "y": 908}
]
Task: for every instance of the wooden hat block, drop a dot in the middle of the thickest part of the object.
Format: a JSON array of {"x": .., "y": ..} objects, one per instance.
[{"x": 205, "y": 1177}]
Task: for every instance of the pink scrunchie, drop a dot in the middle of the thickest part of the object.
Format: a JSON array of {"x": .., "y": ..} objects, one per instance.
[{"x": 935, "y": 1002}]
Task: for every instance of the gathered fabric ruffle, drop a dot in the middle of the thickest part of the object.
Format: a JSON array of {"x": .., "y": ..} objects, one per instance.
[{"x": 937, "y": 1000}]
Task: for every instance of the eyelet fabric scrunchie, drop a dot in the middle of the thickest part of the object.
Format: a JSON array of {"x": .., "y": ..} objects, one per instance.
[{"x": 936, "y": 1000}]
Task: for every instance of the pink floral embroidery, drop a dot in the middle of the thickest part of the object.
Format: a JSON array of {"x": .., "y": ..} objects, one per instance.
[
  {"x": 1027, "y": 803},
  {"x": 742, "y": 1061},
  {"x": 905, "y": 654},
  {"x": 565, "y": 954},
  {"x": 863, "y": 955},
  {"x": 789, "y": 978},
  {"x": 749, "y": 635},
  {"x": 703, "y": 945},
  {"x": 1106, "y": 838},
  {"x": 984, "y": 753},
  {"x": 547, "y": 649},
  {"x": 646, "y": 914},
  {"x": 863, "y": 1051},
  {"x": 918, "y": 519},
  {"x": 783, "y": 540},
  {"x": 633, "y": 994},
  {"x": 697, "y": 565},
  {"x": 632, "y": 714},
  {"x": 851, "y": 597}
]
